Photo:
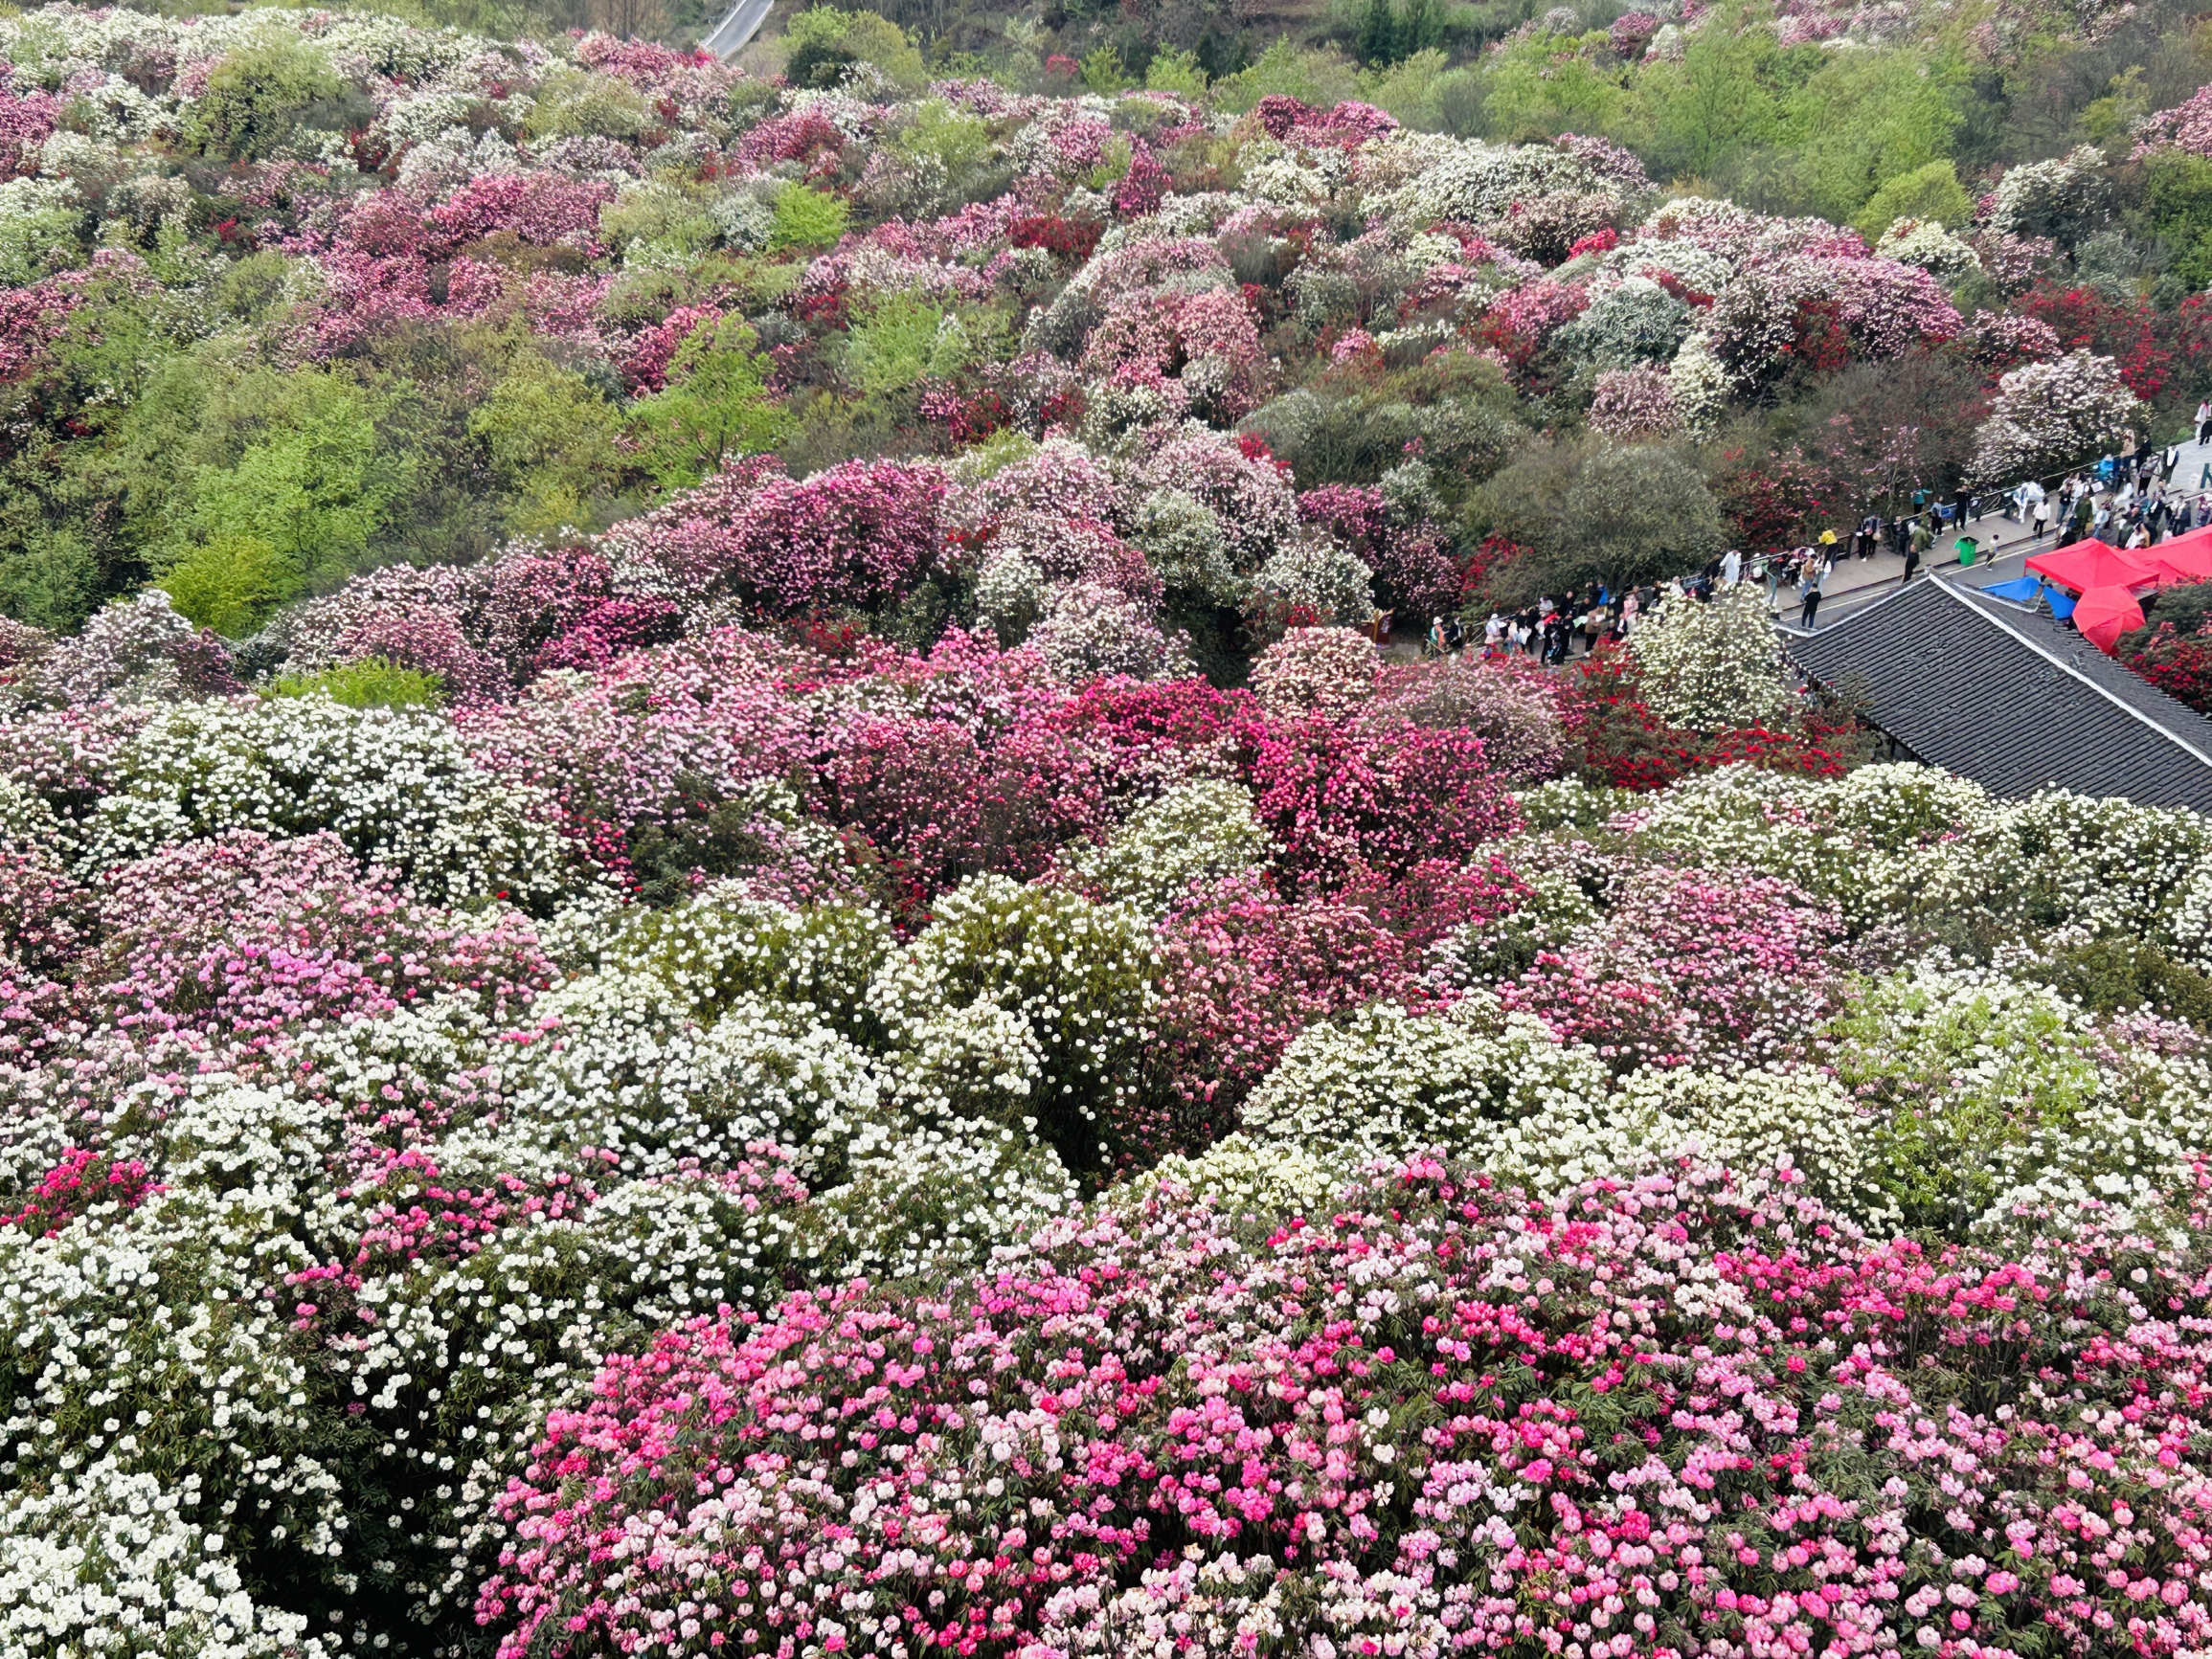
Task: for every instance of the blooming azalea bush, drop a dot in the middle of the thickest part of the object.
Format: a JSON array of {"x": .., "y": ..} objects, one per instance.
[{"x": 803, "y": 986}]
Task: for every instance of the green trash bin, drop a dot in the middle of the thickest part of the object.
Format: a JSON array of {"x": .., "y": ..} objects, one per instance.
[{"x": 1967, "y": 548}]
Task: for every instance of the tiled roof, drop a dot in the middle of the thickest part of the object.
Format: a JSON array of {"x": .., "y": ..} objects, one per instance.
[{"x": 2015, "y": 700}]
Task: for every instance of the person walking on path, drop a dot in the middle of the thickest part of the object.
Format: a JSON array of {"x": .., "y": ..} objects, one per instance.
[
  {"x": 2203, "y": 419},
  {"x": 2042, "y": 515},
  {"x": 1808, "y": 588},
  {"x": 1911, "y": 561}
]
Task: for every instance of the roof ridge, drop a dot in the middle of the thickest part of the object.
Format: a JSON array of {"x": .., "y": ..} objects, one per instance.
[{"x": 2043, "y": 650}]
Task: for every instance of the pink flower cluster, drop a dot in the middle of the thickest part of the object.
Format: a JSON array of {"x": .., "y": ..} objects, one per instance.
[
  {"x": 1671, "y": 1418},
  {"x": 246, "y": 936},
  {"x": 851, "y": 537},
  {"x": 1690, "y": 966},
  {"x": 76, "y": 1184}
]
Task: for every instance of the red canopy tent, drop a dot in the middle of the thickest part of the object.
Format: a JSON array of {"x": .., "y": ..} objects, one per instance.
[
  {"x": 2104, "y": 614},
  {"x": 2087, "y": 566},
  {"x": 2184, "y": 559}
]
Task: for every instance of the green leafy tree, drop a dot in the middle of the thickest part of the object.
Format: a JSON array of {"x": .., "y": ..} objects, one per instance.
[
  {"x": 372, "y": 682},
  {"x": 716, "y": 407},
  {"x": 314, "y": 484},
  {"x": 1720, "y": 101},
  {"x": 1863, "y": 119},
  {"x": 1534, "y": 91},
  {"x": 1616, "y": 514},
  {"x": 2179, "y": 192},
  {"x": 551, "y": 439},
  {"x": 1931, "y": 192}
]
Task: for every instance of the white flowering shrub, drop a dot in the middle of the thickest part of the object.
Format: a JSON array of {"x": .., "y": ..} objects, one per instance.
[
  {"x": 1036, "y": 972},
  {"x": 115, "y": 1562},
  {"x": 2047, "y": 416},
  {"x": 725, "y": 944},
  {"x": 395, "y": 785},
  {"x": 1389, "y": 1084},
  {"x": 1195, "y": 834},
  {"x": 1956, "y": 1067},
  {"x": 1926, "y": 244},
  {"x": 1766, "y": 1118},
  {"x": 1712, "y": 667}
]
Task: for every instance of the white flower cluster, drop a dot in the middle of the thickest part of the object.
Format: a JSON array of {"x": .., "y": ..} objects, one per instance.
[
  {"x": 395, "y": 785},
  {"x": 1023, "y": 1003},
  {"x": 1194, "y": 834},
  {"x": 1713, "y": 667}
]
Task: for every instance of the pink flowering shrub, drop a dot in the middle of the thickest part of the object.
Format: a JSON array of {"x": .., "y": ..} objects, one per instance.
[
  {"x": 854, "y": 536},
  {"x": 44, "y": 912},
  {"x": 79, "y": 1182},
  {"x": 1246, "y": 972},
  {"x": 1634, "y": 406},
  {"x": 1687, "y": 968},
  {"x": 2186, "y": 127},
  {"x": 245, "y": 937},
  {"x": 1829, "y": 1442}
]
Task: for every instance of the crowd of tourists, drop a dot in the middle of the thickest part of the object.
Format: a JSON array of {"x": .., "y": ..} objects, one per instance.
[{"x": 2127, "y": 501}]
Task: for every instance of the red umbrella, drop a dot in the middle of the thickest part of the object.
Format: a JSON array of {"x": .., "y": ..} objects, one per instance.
[
  {"x": 2104, "y": 614},
  {"x": 2090, "y": 565}
]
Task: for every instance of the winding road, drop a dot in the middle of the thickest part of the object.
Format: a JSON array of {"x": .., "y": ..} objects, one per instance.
[{"x": 740, "y": 26}]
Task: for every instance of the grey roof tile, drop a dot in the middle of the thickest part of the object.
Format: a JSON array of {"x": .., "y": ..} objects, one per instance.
[{"x": 2016, "y": 702}]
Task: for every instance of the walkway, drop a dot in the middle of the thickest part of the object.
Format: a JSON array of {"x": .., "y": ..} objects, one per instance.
[
  {"x": 2005, "y": 546},
  {"x": 743, "y": 22}
]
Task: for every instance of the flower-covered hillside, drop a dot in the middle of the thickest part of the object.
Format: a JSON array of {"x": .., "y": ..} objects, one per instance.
[
  {"x": 714, "y": 934},
  {"x": 289, "y": 294},
  {"x": 833, "y": 1150}
]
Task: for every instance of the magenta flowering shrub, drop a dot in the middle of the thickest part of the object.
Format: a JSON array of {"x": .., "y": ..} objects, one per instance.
[
  {"x": 940, "y": 807},
  {"x": 78, "y": 1183},
  {"x": 1435, "y": 1421},
  {"x": 1384, "y": 796}
]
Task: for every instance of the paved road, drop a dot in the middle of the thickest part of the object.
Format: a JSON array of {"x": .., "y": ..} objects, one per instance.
[
  {"x": 2005, "y": 546},
  {"x": 734, "y": 31}
]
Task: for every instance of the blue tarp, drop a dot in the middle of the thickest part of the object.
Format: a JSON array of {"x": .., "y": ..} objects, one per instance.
[
  {"x": 2020, "y": 590},
  {"x": 2061, "y": 604}
]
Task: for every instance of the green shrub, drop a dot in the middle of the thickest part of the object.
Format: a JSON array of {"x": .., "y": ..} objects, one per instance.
[
  {"x": 806, "y": 217},
  {"x": 231, "y": 584},
  {"x": 1927, "y": 193},
  {"x": 372, "y": 682}
]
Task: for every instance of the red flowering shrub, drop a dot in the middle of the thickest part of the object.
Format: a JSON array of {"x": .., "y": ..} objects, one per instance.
[
  {"x": 1072, "y": 240},
  {"x": 2178, "y": 665},
  {"x": 1382, "y": 797},
  {"x": 79, "y": 1182},
  {"x": 2158, "y": 352}
]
